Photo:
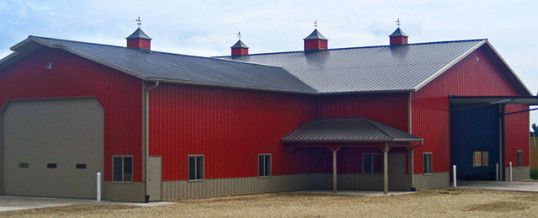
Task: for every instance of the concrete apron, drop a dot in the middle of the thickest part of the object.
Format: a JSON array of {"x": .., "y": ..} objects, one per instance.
[
  {"x": 500, "y": 185},
  {"x": 12, "y": 203}
]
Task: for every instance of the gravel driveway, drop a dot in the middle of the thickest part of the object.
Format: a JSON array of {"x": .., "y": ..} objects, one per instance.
[{"x": 430, "y": 203}]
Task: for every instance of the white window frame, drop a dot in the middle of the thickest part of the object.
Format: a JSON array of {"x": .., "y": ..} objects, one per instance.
[
  {"x": 518, "y": 159},
  {"x": 372, "y": 163},
  {"x": 123, "y": 169},
  {"x": 196, "y": 176},
  {"x": 424, "y": 168},
  {"x": 265, "y": 174}
]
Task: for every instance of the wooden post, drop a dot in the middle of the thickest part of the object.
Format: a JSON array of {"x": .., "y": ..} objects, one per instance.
[
  {"x": 334, "y": 149},
  {"x": 411, "y": 162},
  {"x": 386, "y": 168},
  {"x": 334, "y": 172}
]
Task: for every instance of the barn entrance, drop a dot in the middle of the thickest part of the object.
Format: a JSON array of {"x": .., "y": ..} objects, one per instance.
[
  {"x": 52, "y": 147},
  {"x": 475, "y": 141},
  {"x": 477, "y": 134}
]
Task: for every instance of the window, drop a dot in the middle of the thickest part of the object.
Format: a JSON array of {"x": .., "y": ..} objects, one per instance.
[
  {"x": 427, "y": 163},
  {"x": 481, "y": 159},
  {"x": 264, "y": 165},
  {"x": 122, "y": 168},
  {"x": 52, "y": 165},
  {"x": 519, "y": 158},
  {"x": 371, "y": 163},
  {"x": 24, "y": 165},
  {"x": 80, "y": 166},
  {"x": 196, "y": 167}
]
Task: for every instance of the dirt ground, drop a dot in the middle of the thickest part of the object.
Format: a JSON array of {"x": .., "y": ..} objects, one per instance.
[{"x": 430, "y": 203}]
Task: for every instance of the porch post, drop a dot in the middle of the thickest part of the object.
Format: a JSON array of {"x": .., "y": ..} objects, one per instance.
[
  {"x": 334, "y": 172},
  {"x": 334, "y": 149},
  {"x": 386, "y": 168}
]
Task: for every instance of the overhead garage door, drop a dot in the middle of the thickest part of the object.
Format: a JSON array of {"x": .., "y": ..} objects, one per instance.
[{"x": 52, "y": 147}]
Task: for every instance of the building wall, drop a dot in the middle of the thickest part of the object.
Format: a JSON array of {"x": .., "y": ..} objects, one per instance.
[
  {"x": 516, "y": 135},
  {"x": 229, "y": 127},
  {"x": 71, "y": 76},
  {"x": 475, "y": 75}
]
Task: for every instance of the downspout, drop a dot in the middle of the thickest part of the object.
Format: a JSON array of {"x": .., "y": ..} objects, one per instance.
[
  {"x": 412, "y": 163},
  {"x": 146, "y": 133}
]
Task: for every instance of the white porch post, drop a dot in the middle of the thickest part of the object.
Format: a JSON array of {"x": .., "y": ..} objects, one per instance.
[
  {"x": 386, "y": 168},
  {"x": 334, "y": 149}
]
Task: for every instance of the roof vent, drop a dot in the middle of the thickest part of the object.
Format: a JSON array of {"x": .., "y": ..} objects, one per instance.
[
  {"x": 315, "y": 41},
  {"x": 239, "y": 48},
  {"x": 139, "y": 39}
]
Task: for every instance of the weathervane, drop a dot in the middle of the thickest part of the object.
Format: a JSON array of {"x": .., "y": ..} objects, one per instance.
[
  {"x": 315, "y": 24},
  {"x": 138, "y": 21},
  {"x": 398, "y": 22},
  {"x": 239, "y": 35}
]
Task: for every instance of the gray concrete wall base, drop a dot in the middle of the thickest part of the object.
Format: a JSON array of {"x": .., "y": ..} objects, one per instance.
[
  {"x": 518, "y": 173},
  {"x": 176, "y": 190},
  {"x": 131, "y": 192},
  {"x": 431, "y": 181}
]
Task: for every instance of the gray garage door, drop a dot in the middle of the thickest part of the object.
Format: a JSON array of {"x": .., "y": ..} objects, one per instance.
[{"x": 52, "y": 147}]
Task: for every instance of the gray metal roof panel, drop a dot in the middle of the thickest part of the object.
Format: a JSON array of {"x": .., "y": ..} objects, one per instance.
[
  {"x": 239, "y": 44},
  {"x": 369, "y": 69},
  {"x": 315, "y": 35},
  {"x": 138, "y": 34},
  {"x": 347, "y": 130},
  {"x": 183, "y": 68},
  {"x": 398, "y": 32}
]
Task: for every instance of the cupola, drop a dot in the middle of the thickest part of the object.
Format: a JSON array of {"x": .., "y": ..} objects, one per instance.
[
  {"x": 239, "y": 48},
  {"x": 398, "y": 37},
  {"x": 139, "y": 39},
  {"x": 315, "y": 41}
]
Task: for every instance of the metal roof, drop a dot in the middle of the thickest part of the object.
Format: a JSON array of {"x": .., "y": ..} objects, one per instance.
[
  {"x": 315, "y": 35},
  {"x": 347, "y": 130},
  {"x": 239, "y": 44},
  {"x": 370, "y": 69},
  {"x": 398, "y": 32},
  {"x": 138, "y": 34},
  {"x": 349, "y": 70},
  {"x": 159, "y": 66}
]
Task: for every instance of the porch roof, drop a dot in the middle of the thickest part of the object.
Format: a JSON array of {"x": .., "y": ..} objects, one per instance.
[{"x": 347, "y": 130}]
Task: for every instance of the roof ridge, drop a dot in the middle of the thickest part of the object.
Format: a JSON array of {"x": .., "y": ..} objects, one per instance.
[{"x": 362, "y": 47}]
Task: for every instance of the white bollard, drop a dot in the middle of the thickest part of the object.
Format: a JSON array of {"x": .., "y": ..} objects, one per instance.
[
  {"x": 454, "y": 176},
  {"x": 98, "y": 186},
  {"x": 497, "y": 172},
  {"x": 510, "y": 171}
]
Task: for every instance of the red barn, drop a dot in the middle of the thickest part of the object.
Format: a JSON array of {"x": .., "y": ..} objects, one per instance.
[{"x": 163, "y": 126}]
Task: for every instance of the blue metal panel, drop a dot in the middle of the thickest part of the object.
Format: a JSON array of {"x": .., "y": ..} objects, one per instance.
[{"x": 474, "y": 129}]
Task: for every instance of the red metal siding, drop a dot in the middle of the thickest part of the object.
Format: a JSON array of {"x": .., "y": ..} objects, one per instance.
[
  {"x": 389, "y": 109},
  {"x": 230, "y": 127},
  {"x": 516, "y": 134},
  {"x": 430, "y": 106},
  {"x": 139, "y": 43},
  {"x": 72, "y": 76},
  {"x": 315, "y": 44}
]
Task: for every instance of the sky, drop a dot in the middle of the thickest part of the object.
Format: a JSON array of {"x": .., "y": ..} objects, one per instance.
[{"x": 209, "y": 27}]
